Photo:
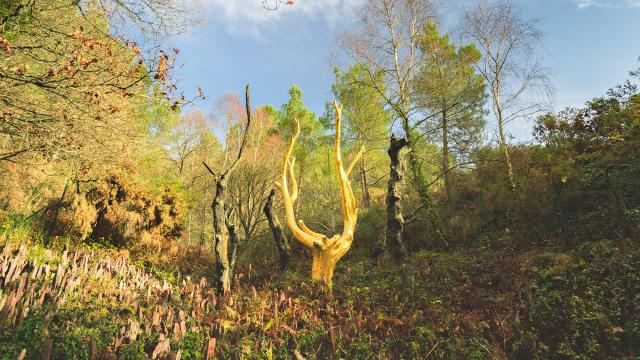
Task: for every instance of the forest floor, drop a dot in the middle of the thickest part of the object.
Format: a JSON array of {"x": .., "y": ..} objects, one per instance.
[{"x": 94, "y": 303}]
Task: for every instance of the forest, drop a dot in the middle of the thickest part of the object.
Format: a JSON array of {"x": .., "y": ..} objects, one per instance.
[{"x": 404, "y": 221}]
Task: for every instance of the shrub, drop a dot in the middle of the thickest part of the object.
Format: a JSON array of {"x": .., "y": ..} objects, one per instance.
[{"x": 120, "y": 212}]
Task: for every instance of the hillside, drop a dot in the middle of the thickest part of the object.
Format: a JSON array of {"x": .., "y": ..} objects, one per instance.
[{"x": 92, "y": 303}]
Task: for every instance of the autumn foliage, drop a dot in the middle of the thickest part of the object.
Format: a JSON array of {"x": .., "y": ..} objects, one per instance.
[{"x": 118, "y": 212}]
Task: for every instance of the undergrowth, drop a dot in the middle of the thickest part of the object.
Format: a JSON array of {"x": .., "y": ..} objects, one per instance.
[{"x": 462, "y": 304}]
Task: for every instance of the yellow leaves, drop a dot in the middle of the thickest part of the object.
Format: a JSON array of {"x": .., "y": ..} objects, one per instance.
[
  {"x": 66, "y": 66},
  {"x": 84, "y": 61},
  {"x": 95, "y": 96},
  {"x": 268, "y": 326},
  {"x": 163, "y": 67},
  {"x": 232, "y": 313},
  {"x": 176, "y": 104},
  {"x": 135, "y": 50}
]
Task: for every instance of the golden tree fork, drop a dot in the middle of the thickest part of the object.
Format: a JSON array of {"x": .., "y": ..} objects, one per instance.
[{"x": 325, "y": 251}]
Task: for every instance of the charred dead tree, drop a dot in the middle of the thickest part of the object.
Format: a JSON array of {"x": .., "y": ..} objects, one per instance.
[
  {"x": 394, "y": 238},
  {"x": 395, "y": 234},
  {"x": 282, "y": 242},
  {"x": 225, "y": 237}
]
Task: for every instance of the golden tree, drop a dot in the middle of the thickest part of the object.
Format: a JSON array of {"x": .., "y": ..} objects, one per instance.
[{"x": 325, "y": 251}]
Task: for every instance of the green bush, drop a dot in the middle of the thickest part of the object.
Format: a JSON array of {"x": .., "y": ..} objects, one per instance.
[{"x": 590, "y": 309}]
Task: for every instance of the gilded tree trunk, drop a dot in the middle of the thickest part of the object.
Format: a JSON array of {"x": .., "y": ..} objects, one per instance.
[
  {"x": 322, "y": 267},
  {"x": 325, "y": 251}
]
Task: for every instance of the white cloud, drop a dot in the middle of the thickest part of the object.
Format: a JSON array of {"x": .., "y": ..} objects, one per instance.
[
  {"x": 251, "y": 17},
  {"x": 616, "y": 4}
]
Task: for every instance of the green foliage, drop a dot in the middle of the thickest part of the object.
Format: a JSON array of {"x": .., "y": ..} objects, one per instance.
[
  {"x": 366, "y": 120},
  {"x": 310, "y": 127},
  {"x": 370, "y": 230},
  {"x": 448, "y": 87},
  {"x": 591, "y": 160},
  {"x": 191, "y": 345},
  {"x": 475, "y": 304},
  {"x": 587, "y": 308}
]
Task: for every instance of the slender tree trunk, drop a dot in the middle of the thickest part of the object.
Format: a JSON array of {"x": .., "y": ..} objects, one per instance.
[
  {"x": 225, "y": 235},
  {"x": 300, "y": 183},
  {"x": 395, "y": 221},
  {"x": 557, "y": 189},
  {"x": 445, "y": 157},
  {"x": 189, "y": 228},
  {"x": 54, "y": 223},
  {"x": 420, "y": 184},
  {"x": 203, "y": 230},
  {"x": 505, "y": 149},
  {"x": 366, "y": 194},
  {"x": 282, "y": 242}
]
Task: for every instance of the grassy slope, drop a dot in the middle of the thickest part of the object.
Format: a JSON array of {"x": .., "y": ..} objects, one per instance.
[{"x": 464, "y": 304}]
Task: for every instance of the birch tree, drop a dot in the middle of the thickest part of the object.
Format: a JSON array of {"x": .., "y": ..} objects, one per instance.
[{"x": 510, "y": 65}]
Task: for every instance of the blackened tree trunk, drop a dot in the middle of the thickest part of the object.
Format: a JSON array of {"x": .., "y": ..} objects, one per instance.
[
  {"x": 224, "y": 239},
  {"x": 232, "y": 248},
  {"x": 282, "y": 242},
  {"x": 395, "y": 222},
  {"x": 395, "y": 219}
]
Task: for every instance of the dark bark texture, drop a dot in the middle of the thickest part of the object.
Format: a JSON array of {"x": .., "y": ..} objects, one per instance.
[
  {"x": 395, "y": 221},
  {"x": 282, "y": 242},
  {"x": 221, "y": 239}
]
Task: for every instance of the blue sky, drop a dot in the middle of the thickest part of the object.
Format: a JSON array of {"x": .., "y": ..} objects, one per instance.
[{"x": 589, "y": 46}]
